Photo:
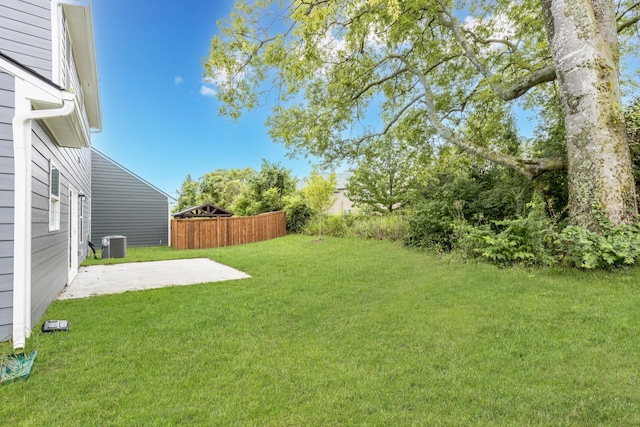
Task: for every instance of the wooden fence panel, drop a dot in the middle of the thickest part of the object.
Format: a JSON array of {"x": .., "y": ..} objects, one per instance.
[{"x": 225, "y": 231}]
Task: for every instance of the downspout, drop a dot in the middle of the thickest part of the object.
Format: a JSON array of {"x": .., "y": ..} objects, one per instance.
[{"x": 22, "y": 211}]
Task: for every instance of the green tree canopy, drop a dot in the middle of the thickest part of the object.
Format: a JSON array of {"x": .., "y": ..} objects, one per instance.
[
  {"x": 347, "y": 72},
  {"x": 188, "y": 195},
  {"x": 388, "y": 176},
  {"x": 266, "y": 190},
  {"x": 223, "y": 186}
]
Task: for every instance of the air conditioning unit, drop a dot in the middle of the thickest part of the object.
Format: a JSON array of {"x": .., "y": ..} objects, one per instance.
[{"x": 114, "y": 247}]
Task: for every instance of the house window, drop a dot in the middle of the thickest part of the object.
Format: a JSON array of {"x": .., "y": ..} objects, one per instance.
[
  {"x": 89, "y": 221},
  {"x": 54, "y": 197},
  {"x": 81, "y": 217}
]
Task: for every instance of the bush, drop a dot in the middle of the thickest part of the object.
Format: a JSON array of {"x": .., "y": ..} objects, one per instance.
[
  {"x": 535, "y": 240},
  {"x": 298, "y": 213},
  {"x": 527, "y": 240},
  {"x": 431, "y": 226},
  {"x": 617, "y": 246}
]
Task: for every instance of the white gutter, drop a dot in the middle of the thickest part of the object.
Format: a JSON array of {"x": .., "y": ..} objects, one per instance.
[{"x": 22, "y": 204}]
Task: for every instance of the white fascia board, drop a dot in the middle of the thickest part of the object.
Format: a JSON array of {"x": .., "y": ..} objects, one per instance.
[
  {"x": 80, "y": 23},
  {"x": 37, "y": 89}
]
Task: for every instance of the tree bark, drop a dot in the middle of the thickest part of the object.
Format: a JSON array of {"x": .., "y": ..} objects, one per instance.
[{"x": 584, "y": 47}]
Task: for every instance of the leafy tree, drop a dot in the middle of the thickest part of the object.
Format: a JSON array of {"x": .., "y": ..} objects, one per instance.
[
  {"x": 423, "y": 67},
  {"x": 242, "y": 191},
  {"x": 188, "y": 195},
  {"x": 223, "y": 186},
  {"x": 318, "y": 193},
  {"x": 266, "y": 190},
  {"x": 387, "y": 177}
]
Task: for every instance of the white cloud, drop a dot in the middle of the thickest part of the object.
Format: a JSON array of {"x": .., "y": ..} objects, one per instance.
[
  {"x": 177, "y": 80},
  {"x": 207, "y": 91},
  {"x": 500, "y": 26}
]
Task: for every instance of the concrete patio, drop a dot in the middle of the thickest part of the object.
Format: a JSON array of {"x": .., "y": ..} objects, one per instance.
[{"x": 117, "y": 278}]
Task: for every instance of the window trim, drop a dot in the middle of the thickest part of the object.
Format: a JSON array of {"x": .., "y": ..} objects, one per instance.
[
  {"x": 81, "y": 198},
  {"x": 54, "y": 199}
]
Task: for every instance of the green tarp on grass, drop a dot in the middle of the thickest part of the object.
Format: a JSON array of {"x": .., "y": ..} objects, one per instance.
[{"x": 16, "y": 367}]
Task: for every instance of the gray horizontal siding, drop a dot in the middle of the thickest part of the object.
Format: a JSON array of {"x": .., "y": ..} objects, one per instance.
[
  {"x": 6, "y": 320},
  {"x": 7, "y": 101},
  {"x": 49, "y": 249},
  {"x": 124, "y": 204},
  {"x": 7, "y": 285},
  {"x": 6, "y": 267},
  {"x": 25, "y": 33}
]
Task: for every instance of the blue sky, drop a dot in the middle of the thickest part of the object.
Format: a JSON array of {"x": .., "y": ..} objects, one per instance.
[{"x": 156, "y": 120}]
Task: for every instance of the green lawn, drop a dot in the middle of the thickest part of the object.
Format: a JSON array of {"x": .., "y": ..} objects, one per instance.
[{"x": 343, "y": 332}]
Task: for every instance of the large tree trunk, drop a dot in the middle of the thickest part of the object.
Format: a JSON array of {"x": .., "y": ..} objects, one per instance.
[{"x": 584, "y": 46}]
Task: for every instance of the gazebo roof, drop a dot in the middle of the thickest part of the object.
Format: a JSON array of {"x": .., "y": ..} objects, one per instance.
[{"x": 203, "y": 211}]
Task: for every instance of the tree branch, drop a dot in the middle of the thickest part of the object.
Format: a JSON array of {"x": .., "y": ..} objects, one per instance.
[
  {"x": 506, "y": 93},
  {"x": 621, "y": 15},
  {"x": 530, "y": 168},
  {"x": 391, "y": 122},
  {"x": 623, "y": 25},
  {"x": 378, "y": 82},
  {"x": 626, "y": 24}
]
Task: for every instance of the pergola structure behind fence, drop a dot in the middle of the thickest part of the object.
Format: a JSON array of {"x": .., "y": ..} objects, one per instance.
[{"x": 226, "y": 231}]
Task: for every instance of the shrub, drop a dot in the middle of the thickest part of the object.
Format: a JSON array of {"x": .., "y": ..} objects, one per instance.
[
  {"x": 298, "y": 213},
  {"x": 535, "y": 240},
  {"x": 617, "y": 246},
  {"x": 431, "y": 226},
  {"x": 526, "y": 240}
]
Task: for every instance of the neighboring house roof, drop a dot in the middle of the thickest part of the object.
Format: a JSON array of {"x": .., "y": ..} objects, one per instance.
[
  {"x": 342, "y": 179},
  {"x": 131, "y": 173},
  {"x": 203, "y": 211}
]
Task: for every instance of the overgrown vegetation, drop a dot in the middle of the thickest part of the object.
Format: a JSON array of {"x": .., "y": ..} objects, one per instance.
[
  {"x": 361, "y": 225},
  {"x": 483, "y": 215},
  {"x": 459, "y": 204},
  {"x": 533, "y": 239}
]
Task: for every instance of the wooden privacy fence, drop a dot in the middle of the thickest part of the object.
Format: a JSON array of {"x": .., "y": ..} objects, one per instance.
[{"x": 217, "y": 232}]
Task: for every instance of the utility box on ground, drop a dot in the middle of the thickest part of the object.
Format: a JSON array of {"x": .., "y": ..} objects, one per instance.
[{"x": 114, "y": 247}]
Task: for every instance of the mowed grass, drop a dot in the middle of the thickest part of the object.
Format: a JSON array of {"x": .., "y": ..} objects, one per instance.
[{"x": 342, "y": 332}]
